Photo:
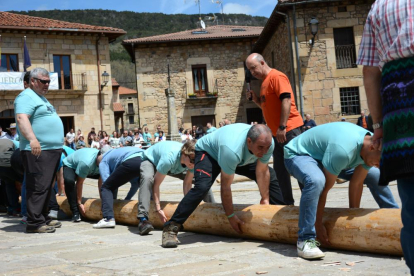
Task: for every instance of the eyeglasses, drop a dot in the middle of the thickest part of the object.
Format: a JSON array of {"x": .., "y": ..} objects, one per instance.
[{"x": 43, "y": 81}]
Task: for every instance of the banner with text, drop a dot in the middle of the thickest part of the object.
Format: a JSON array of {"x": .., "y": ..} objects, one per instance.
[{"x": 14, "y": 81}]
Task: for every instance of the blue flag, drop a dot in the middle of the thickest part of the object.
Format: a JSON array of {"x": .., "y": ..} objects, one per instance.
[{"x": 27, "y": 62}]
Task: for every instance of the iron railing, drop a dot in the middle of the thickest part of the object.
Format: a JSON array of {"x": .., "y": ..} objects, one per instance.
[
  {"x": 345, "y": 56},
  {"x": 79, "y": 81}
]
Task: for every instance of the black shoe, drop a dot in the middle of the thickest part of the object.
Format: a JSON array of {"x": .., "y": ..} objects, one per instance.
[
  {"x": 41, "y": 229},
  {"x": 76, "y": 218},
  {"x": 144, "y": 227}
]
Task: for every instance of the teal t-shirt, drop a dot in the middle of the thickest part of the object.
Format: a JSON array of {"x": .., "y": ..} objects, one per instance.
[
  {"x": 336, "y": 145},
  {"x": 166, "y": 157},
  {"x": 228, "y": 146},
  {"x": 83, "y": 161},
  {"x": 68, "y": 151},
  {"x": 147, "y": 137},
  {"x": 46, "y": 124},
  {"x": 211, "y": 129}
]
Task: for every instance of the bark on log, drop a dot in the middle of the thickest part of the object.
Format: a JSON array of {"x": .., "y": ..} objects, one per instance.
[{"x": 364, "y": 230}]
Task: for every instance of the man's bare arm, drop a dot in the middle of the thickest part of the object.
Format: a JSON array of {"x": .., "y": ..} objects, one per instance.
[
  {"x": 227, "y": 201},
  {"x": 188, "y": 182},
  {"x": 372, "y": 84},
  {"x": 263, "y": 181},
  {"x": 284, "y": 116},
  {"x": 26, "y": 130},
  {"x": 356, "y": 185}
]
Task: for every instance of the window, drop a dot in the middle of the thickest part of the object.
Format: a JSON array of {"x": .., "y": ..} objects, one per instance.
[
  {"x": 345, "y": 48},
  {"x": 350, "y": 100},
  {"x": 9, "y": 62},
  {"x": 342, "y": 9},
  {"x": 200, "y": 79},
  {"x": 63, "y": 69},
  {"x": 131, "y": 119},
  {"x": 130, "y": 108}
]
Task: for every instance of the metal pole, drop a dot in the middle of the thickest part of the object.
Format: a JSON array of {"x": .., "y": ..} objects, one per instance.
[{"x": 298, "y": 61}]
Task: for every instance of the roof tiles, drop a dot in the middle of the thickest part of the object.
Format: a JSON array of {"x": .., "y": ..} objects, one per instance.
[
  {"x": 126, "y": 91},
  {"x": 21, "y": 21},
  {"x": 213, "y": 32},
  {"x": 118, "y": 107}
]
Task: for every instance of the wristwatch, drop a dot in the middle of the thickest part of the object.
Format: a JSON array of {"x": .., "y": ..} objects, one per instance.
[
  {"x": 377, "y": 125},
  {"x": 282, "y": 127}
]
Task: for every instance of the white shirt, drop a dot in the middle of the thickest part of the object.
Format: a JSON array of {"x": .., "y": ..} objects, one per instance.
[{"x": 70, "y": 137}]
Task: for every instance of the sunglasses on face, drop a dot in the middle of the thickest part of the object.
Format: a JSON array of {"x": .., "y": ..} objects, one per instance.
[{"x": 43, "y": 81}]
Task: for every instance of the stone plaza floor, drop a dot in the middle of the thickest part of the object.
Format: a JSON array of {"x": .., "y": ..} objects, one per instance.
[{"x": 78, "y": 249}]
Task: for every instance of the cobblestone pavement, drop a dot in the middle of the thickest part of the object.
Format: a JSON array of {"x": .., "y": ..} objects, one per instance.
[{"x": 77, "y": 249}]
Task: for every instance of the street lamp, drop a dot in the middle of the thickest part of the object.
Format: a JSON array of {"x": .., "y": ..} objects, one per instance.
[
  {"x": 313, "y": 24},
  {"x": 105, "y": 79}
]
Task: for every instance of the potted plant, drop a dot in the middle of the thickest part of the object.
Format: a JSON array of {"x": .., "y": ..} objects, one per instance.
[
  {"x": 210, "y": 95},
  {"x": 215, "y": 94},
  {"x": 192, "y": 96}
]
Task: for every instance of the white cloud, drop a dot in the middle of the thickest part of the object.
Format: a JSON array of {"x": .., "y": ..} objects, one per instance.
[{"x": 237, "y": 8}]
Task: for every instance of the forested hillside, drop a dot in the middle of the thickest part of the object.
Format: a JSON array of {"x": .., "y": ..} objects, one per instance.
[{"x": 139, "y": 25}]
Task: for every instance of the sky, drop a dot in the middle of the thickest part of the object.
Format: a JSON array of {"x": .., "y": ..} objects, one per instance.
[{"x": 250, "y": 7}]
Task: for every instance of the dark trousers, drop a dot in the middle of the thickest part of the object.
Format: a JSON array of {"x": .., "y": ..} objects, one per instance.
[
  {"x": 128, "y": 170},
  {"x": 279, "y": 166},
  {"x": 9, "y": 177},
  {"x": 70, "y": 178},
  {"x": 206, "y": 170},
  {"x": 40, "y": 173}
]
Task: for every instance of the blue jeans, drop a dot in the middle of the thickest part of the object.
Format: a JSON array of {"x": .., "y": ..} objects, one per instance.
[
  {"x": 406, "y": 191},
  {"x": 72, "y": 145},
  {"x": 308, "y": 172},
  {"x": 382, "y": 194}
]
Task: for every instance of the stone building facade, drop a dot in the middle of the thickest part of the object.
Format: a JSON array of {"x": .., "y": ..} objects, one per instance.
[
  {"x": 207, "y": 74},
  {"x": 75, "y": 46},
  {"x": 332, "y": 83},
  {"x": 129, "y": 100}
]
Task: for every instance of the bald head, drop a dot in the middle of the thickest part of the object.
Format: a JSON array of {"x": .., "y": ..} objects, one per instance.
[{"x": 257, "y": 66}]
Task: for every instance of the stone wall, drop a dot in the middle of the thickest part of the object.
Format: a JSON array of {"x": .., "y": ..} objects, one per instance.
[
  {"x": 320, "y": 77},
  {"x": 82, "y": 105},
  {"x": 125, "y": 100},
  {"x": 225, "y": 74}
]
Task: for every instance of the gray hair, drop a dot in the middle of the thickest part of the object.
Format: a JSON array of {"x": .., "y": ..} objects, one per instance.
[
  {"x": 256, "y": 130},
  {"x": 38, "y": 72}
]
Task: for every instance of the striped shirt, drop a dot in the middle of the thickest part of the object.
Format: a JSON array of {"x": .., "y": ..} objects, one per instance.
[{"x": 388, "y": 33}]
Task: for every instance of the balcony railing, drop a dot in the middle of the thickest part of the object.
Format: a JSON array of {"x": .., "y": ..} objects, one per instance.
[
  {"x": 206, "y": 95},
  {"x": 345, "y": 56},
  {"x": 79, "y": 81}
]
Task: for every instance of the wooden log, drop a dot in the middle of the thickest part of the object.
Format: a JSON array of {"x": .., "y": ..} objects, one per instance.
[{"x": 364, "y": 230}]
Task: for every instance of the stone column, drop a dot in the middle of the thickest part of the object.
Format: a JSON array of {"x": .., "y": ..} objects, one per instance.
[{"x": 172, "y": 116}]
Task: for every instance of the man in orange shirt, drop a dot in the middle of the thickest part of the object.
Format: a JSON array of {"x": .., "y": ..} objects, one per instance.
[{"x": 280, "y": 112}]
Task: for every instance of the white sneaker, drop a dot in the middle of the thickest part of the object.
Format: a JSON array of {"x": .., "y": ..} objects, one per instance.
[
  {"x": 309, "y": 250},
  {"x": 103, "y": 223}
]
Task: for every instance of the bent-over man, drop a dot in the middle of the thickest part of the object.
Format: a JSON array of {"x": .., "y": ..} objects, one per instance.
[
  {"x": 236, "y": 148},
  {"x": 315, "y": 159},
  {"x": 117, "y": 167}
]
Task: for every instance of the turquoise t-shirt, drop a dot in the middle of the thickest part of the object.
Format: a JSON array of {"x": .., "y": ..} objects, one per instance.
[
  {"x": 68, "y": 151},
  {"x": 166, "y": 157},
  {"x": 46, "y": 124},
  {"x": 83, "y": 161},
  {"x": 147, "y": 137},
  {"x": 228, "y": 146},
  {"x": 211, "y": 129},
  {"x": 336, "y": 145}
]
